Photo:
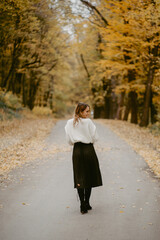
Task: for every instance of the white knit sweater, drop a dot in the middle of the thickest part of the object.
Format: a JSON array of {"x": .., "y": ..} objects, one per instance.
[{"x": 84, "y": 131}]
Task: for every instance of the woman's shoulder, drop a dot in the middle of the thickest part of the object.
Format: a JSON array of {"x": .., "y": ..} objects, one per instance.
[
  {"x": 90, "y": 122},
  {"x": 86, "y": 119},
  {"x": 82, "y": 121},
  {"x": 70, "y": 121}
]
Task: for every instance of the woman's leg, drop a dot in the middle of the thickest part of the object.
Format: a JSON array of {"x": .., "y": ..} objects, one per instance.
[
  {"x": 83, "y": 208},
  {"x": 81, "y": 194},
  {"x": 87, "y": 197},
  {"x": 87, "y": 194}
]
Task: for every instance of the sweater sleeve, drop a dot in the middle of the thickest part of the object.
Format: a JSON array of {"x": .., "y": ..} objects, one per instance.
[
  {"x": 93, "y": 131},
  {"x": 67, "y": 135}
]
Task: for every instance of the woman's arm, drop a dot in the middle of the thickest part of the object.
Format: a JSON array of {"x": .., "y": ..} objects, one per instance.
[
  {"x": 93, "y": 131},
  {"x": 67, "y": 135}
]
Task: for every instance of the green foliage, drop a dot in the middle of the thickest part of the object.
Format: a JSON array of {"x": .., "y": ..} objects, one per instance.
[
  {"x": 155, "y": 128},
  {"x": 10, "y": 106},
  {"x": 10, "y": 100}
]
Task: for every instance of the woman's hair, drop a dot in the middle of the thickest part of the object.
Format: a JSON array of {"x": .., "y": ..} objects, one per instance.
[{"x": 79, "y": 109}]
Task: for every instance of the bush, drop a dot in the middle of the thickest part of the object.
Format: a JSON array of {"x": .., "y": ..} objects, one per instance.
[
  {"x": 9, "y": 106},
  {"x": 9, "y": 100},
  {"x": 42, "y": 111},
  {"x": 155, "y": 128},
  {"x": 12, "y": 101}
]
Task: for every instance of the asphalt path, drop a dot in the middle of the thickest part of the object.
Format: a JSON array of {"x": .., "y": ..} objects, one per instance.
[{"x": 39, "y": 201}]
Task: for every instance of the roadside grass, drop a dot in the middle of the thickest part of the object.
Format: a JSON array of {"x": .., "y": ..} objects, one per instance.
[{"x": 22, "y": 139}]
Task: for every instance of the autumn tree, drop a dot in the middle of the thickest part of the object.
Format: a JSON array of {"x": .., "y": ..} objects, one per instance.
[
  {"x": 32, "y": 43},
  {"x": 130, "y": 40}
]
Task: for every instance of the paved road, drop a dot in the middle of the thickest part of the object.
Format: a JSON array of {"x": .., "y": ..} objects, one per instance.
[{"x": 40, "y": 202}]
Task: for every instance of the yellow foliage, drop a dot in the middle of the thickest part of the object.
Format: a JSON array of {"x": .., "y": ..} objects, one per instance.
[
  {"x": 128, "y": 42},
  {"x": 42, "y": 111}
]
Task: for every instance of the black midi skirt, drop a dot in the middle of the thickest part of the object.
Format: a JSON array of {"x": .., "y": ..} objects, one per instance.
[{"x": 86, "y": 169}]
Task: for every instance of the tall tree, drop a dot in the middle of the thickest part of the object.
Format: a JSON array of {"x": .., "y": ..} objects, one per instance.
[{"x": 130, "y": 49}]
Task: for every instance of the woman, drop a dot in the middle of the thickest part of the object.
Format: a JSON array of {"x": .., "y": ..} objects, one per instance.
[{"x": 81, "y": 132}]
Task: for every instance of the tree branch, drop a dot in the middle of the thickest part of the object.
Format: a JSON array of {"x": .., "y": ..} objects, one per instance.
[
  {"x": 54, "y": 64},
  {"x": 84, "y": 65},
  {"x": 96, "y": 10},
  {"x": 31, "y": 63},
  {"x": 94, "y": 23}
]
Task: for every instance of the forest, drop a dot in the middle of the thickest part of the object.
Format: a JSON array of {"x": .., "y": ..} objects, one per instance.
[{"x": 55, "y": 53}]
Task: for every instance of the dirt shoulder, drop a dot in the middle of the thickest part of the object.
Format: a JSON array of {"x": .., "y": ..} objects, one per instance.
[
  {"x": 140, "y": 139},
  {"x": 22, "y": 140}
]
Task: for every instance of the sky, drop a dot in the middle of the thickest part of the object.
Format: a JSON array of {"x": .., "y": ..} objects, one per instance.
[{"x": 77, "y": 9}]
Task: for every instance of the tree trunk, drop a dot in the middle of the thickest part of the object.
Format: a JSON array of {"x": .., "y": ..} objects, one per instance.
[
  {"x": 33, "y": 86},
  {"x": 131, "y": 106},
  {"x": 107, "y": 107},
  {"x": 114, "y": 104},
  {"x": 120, "y": 106},
  {"x": 153, "y": 110},
  {"x": 24, "y": 99},
  {"x": 51, "y": 91},
  {"x": 7, "y": 83},
  {"x": 98, "y": 112},
  {"x": 114, "y": 107},
  {"x": 18, "y": 80},
  {"x": 133, "y": 96},
  {"x": 110, "y": 105},
  {"x": 45, "y": 98},
  {"x": 127, "y": 109},
  {"x": 3, "y": 69},
  {"x": 108, "y": 100},
  {"x": 145, "y": 115}
]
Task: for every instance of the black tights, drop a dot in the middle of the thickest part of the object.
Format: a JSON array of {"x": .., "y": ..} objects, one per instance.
[{"x": 84, "y": 194}]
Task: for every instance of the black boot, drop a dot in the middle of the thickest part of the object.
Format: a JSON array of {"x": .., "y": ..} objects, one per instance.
[
  {"x": 88, "y": 206},
  {"x": 87, "y": 197},
  {"x": 83, "y": 208}
]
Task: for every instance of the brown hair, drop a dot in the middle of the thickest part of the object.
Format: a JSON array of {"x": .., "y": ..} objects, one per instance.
[{"x": 80, "y": 108}]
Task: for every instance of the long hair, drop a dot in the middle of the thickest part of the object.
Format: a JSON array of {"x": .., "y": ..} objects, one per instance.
[{"x": 79, "y": 109}]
